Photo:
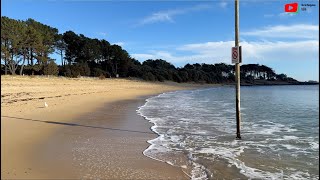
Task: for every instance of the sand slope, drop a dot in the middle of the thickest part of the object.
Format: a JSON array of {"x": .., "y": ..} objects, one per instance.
[{"x": 22, "y": 108}]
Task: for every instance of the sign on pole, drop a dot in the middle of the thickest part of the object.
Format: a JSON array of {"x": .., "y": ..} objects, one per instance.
[
  {"x": 236, "y": 55},
  {"x": 240, "y": 54}
]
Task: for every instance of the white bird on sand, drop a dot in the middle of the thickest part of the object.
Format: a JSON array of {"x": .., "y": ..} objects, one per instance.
[{"x": 45, "y": 104}]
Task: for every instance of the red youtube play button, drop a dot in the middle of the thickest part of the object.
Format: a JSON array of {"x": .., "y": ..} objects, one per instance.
[{"x": 293, "y": 7}]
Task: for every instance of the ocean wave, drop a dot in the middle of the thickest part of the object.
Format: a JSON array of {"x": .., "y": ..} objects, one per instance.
[{"x": 190, "y": 123}]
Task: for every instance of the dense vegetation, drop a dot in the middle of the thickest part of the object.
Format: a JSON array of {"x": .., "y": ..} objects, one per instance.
[{"x": 26, "y": 46}]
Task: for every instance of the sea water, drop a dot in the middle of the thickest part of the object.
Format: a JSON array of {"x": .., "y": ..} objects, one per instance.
[{"x": 197, "y": 131}]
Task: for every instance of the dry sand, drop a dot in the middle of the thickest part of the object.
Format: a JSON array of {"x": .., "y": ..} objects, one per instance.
[{"x": 67, "y": 139}]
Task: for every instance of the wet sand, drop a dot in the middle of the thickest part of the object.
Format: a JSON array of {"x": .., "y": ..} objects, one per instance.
[
  {"x": 107, "y": 144},
  {"x": 83, "y": 133}
]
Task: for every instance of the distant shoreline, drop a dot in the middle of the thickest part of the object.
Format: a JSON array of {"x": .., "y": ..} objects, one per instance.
[
  {"x": 307, "y": 84},
  {"x": 273, "y": 83}
]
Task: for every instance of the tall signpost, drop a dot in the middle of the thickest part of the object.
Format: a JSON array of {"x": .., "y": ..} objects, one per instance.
[{"x": 236, "y": 58}]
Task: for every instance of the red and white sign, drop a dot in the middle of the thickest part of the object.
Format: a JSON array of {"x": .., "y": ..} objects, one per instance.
[{"x": 235, "y": 55}]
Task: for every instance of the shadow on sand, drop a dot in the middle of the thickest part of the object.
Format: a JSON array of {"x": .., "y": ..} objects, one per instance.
[{"x": 76, "y": 125}]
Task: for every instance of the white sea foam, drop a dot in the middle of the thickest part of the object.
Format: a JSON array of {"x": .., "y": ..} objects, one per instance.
[
  {"x": 187, "y": 122},
  {"x": 171, "y": 163},
  {"x": 290, "y": 137},
  {"x": 300, "y": 175},
  {"x": 290, "y": 147},
  {"x": 314, "y": 145},
  {"x": 184, "y": 166},
  {"x": 198, "y": 172},
  {"x": 288, "y": 129},
  {"x": 231, "y": 154}
]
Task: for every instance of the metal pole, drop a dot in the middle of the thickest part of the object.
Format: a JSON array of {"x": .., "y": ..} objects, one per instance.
[{"x": 237, "y": 68}]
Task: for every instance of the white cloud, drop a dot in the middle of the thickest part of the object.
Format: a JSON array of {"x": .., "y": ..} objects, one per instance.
[
  {"x": 285, "y": 14},
  {"x": 104, "y": 34},
  {"x": 223, "y": 4},
  {"x": 159, "y": 16},
  {"x": 253, "y": 52},
  {"x": 302, "y": 48},
  {"x": 268, "y": 15},
  {"x": 119, "y": 43},
  {"x": 154, "y": 55},
  {"x": 168, "y": 15},
  {"x": 292, "y": 31},
  {"x": 143, "y": 57},
  {"x": 281, "y": 15}
]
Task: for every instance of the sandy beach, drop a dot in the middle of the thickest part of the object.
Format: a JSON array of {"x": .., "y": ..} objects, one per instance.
[{"x": 90, "y": 129}]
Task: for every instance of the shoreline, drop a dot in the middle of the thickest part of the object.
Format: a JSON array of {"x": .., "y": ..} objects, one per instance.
[
  {"x": 111, "y": 147},
  {"x": 68, "y": 99},
  {"x": 185, "y": 169}
]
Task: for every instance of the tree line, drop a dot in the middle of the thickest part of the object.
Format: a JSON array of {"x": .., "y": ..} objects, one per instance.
[{"x": 26, "y": 47}]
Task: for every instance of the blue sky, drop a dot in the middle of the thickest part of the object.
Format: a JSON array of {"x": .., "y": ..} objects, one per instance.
[{"x": 190, "y": 31}]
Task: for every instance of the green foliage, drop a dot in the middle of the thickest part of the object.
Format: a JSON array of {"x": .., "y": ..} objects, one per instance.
[
  {"x": 102, "y": 77},
  {"x": 176, "y": 77},
  {"x": 99, "y": 72},
  {"x": 81, "y": 69},
  {"x": 77, "y": 70},
  {"x": 23, "y": 41},
  {"x": 184, "y": 75},
  {"x": 51, "y": 69},
  {"x": 160, "y": 78},
  {"x": 72, "y": 71},
  {"x": 27, "y": 45},
  {"x": 281, "y": 77},
  {"x": 134, "y": 71},
  {"x": 148, "y": 76}
]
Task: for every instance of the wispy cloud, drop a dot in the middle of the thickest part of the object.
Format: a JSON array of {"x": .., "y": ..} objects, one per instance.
[
  {"x": 103, "y": 34},
  {"x": 119, "y": 43},
  {"x": 153, "y": 54},
  {"x": 292, "y": 31},
  {"x": 142, "y": 56},
  {"x": 285, "y": 14},
  {"x": 281, "y": 15},
  {"x": 168, "y": 15},
  {"x": 301, "y": 48},
  {"x": 268, "y": 15},
  {"x": 253, "y": 52},
  {"x": 223, "y": 4}
]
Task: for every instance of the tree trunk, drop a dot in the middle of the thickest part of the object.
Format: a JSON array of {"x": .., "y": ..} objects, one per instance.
[
  {"x": 12, "y": 66},
  {"x": 28, "y": 56},
  {"x": 31, "y": 59},
  {"x": 24, "y": 59},
  {"x": 28, "y": 59},
  {"x": 62, "y": 61},
  {"x": 5, "y": 60},
  {"x": 106, "y": 61},
  {"x": 5, "y": 66},
  {"x": 116, "y": 69}
]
